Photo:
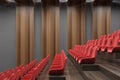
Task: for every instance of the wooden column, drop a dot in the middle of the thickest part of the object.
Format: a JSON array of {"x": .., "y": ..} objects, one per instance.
[
  {"x": 57, "y": 29},
  {"x": 25, "y": 34},
  {"x": 101, "y": 21},
  {"x": 69, "y": 27},
  {"x": 101, "y": 18},
  {"x": 76, "y": 25},
  {"x": 50, "y": 30}
]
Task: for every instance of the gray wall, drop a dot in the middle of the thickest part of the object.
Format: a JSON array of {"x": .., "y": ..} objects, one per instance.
[
  {"x": 38, "y": 30},
  {"x": 115, "y": 17},
  {"x": 7, "y": 38},
  {"x": 88, "y": 22},
  {"x": 63, "y": 27}
]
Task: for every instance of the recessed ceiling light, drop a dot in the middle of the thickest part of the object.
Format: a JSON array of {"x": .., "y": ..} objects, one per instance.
[
  {"x": 10, "y": 0},
  {"x": 89, "y": 0},
  {"x": 63, "y": 1}
]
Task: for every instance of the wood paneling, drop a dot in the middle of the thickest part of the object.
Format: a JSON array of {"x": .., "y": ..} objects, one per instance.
[
  {"x": 101, "y": 21},
  {"x": 17, "y": 35},
  {"x": 82, "y": 22},
  {"x": 31, "y": 32},
  {"x": 57, "y": 29},
  {"x": 76, "y": 25},
  {"x": 50, "y": 30},
  {"x": 69, "y": 27},
  {"x": 76, "y": 2},
  {"x": 25, "y": 34}
]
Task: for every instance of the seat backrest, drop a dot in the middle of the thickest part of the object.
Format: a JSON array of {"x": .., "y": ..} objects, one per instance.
[
  {"x": 88, "y": 53},
  {"x": 94, "y": 52}
]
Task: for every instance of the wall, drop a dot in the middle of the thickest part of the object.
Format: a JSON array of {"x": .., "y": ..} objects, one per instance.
[
  {"x": 115, "y": 17},
  {"x": 38, "y": 30},
  {"x": 7, "y": 38},
  {"x": 88, "y": 22},
  {"x": 63, "y": 27}
]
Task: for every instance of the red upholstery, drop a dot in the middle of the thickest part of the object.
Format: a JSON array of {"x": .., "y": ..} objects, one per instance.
[
  {"x": 115, "y": 42},
  {"x": 24, "y": 72},
  {"x": 85, "y": 54},
  {"x": 36, "y": 70},
  {"x": 58, "y": 64}
]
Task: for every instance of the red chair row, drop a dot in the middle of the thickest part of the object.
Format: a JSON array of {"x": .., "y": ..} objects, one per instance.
[
  {"x": 36, "y": 70},
  {"x": 18, "y": 72},
  {"x": 107, "y": 43},
  {"x": 58, "y": 65},
  {"x": 84, "y": 54}
]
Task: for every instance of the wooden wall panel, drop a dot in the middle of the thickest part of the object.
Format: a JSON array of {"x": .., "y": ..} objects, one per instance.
[
  {"x": 31, "y": 33},
  {"x": 24, "y": 34},
  {"x": 101, "y": 21},
  {"x": 76, "y": 25},
  {"x": 108, "y": 19},
  {"x": 94, "y": 23},
  {"x": 57, "y": 29},
  {"x": 69, "y": 27},
  {"x": 82, "y": 21},
  {"x": 44, "y": 52},
  {"x": 17, "y": 36},
  {"x": 50, "y": 30}
]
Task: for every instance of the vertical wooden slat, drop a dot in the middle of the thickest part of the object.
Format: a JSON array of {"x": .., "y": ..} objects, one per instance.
[
  {"x": 24, "y": 35},
  {"x": 101, "y": 21},
  {"x": 50, "y": 30},
  {"x": 94, "y": 23},
  {"x": 82, "y": 24},
  {"x": 69, "y": 27},
  {"x": 17, "y": 36},
  {"x": 43, "y": 32},
  {"x": 31, "y": 32},
  {"x": 76, "y": 26},
  {"x": 108, "y": 15},
  {"x": 57, "y": 28}
]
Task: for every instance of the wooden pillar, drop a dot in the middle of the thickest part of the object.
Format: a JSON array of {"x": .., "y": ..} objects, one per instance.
[
  {"x": 25, "y": 34},
  {"x": 50, "y": 30}
]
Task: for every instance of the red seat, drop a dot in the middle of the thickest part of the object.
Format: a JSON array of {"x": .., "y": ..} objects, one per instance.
[
  {"x": 58, "y": 65},
  {"x": 89, "y": 59},
  {"x": 115, "y": 42}
]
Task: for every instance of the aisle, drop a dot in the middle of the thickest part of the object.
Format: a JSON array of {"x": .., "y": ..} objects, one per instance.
[
  {"x": 44, "y": 74},
  {"x": 71, "y": 72}
]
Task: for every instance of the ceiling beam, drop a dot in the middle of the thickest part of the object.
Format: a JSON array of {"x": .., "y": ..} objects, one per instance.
[
  {"x": 76, "y": 2},
  {"x": 49, "y": 2},
  {"x": 4, "y": 2},
  {"x": 25, "y": 2},
  {"x": 102, "y": 2}
]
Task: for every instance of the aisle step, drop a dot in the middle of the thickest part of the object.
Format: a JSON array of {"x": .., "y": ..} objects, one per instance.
[{"x": 97, "y": 71}]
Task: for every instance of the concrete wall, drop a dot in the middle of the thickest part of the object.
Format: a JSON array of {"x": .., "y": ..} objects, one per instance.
[
  {"x": 88, "y": 22},
  {"x": 38, "y": 30},
  {"x": 7, "y": 37},
  {"x": 63, "y": 27},
  {"x": 115, "y": 17}
]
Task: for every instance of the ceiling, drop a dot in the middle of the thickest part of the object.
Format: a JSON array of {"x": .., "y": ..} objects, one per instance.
[{"x": 61, "y": 1}]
